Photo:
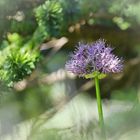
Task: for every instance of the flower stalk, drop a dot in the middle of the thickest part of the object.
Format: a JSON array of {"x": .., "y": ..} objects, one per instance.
[
  {"x": 100, "y": 110},
  {"x": 99, "y": 103}
]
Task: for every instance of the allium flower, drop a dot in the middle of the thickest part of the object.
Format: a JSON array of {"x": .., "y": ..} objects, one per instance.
[{"x": 88, "y": 58}]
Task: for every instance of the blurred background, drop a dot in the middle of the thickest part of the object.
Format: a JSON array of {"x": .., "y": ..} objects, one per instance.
[{"x": 39, "y": 100}]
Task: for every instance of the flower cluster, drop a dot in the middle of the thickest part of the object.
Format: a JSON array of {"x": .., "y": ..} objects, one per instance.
[{"x": 88, "y": 58}]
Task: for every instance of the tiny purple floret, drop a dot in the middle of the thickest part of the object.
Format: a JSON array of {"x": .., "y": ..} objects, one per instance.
[{"x": 97, "y": 56}]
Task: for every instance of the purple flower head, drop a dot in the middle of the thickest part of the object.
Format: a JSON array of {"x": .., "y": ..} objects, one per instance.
[{"x": 88, "y": 58}]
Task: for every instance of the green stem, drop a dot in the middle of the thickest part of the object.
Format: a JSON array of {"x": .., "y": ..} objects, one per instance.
[{"x": 99, "y": 104}]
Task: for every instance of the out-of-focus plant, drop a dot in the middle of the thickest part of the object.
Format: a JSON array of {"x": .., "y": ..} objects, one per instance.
[
  {"x": 71, "y": 10},
  {"x": 127, "y": 9},
  {"x": 18, "y": 59},
  {"x": 49, "y": 17}
]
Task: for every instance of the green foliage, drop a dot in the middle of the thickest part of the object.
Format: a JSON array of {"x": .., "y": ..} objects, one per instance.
[
  {"x": 18, "y": 59},
  {"x": 71, "y": 10},
  {"x": 49, "y": 17},
  {"x": 127, "y": 9}
]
